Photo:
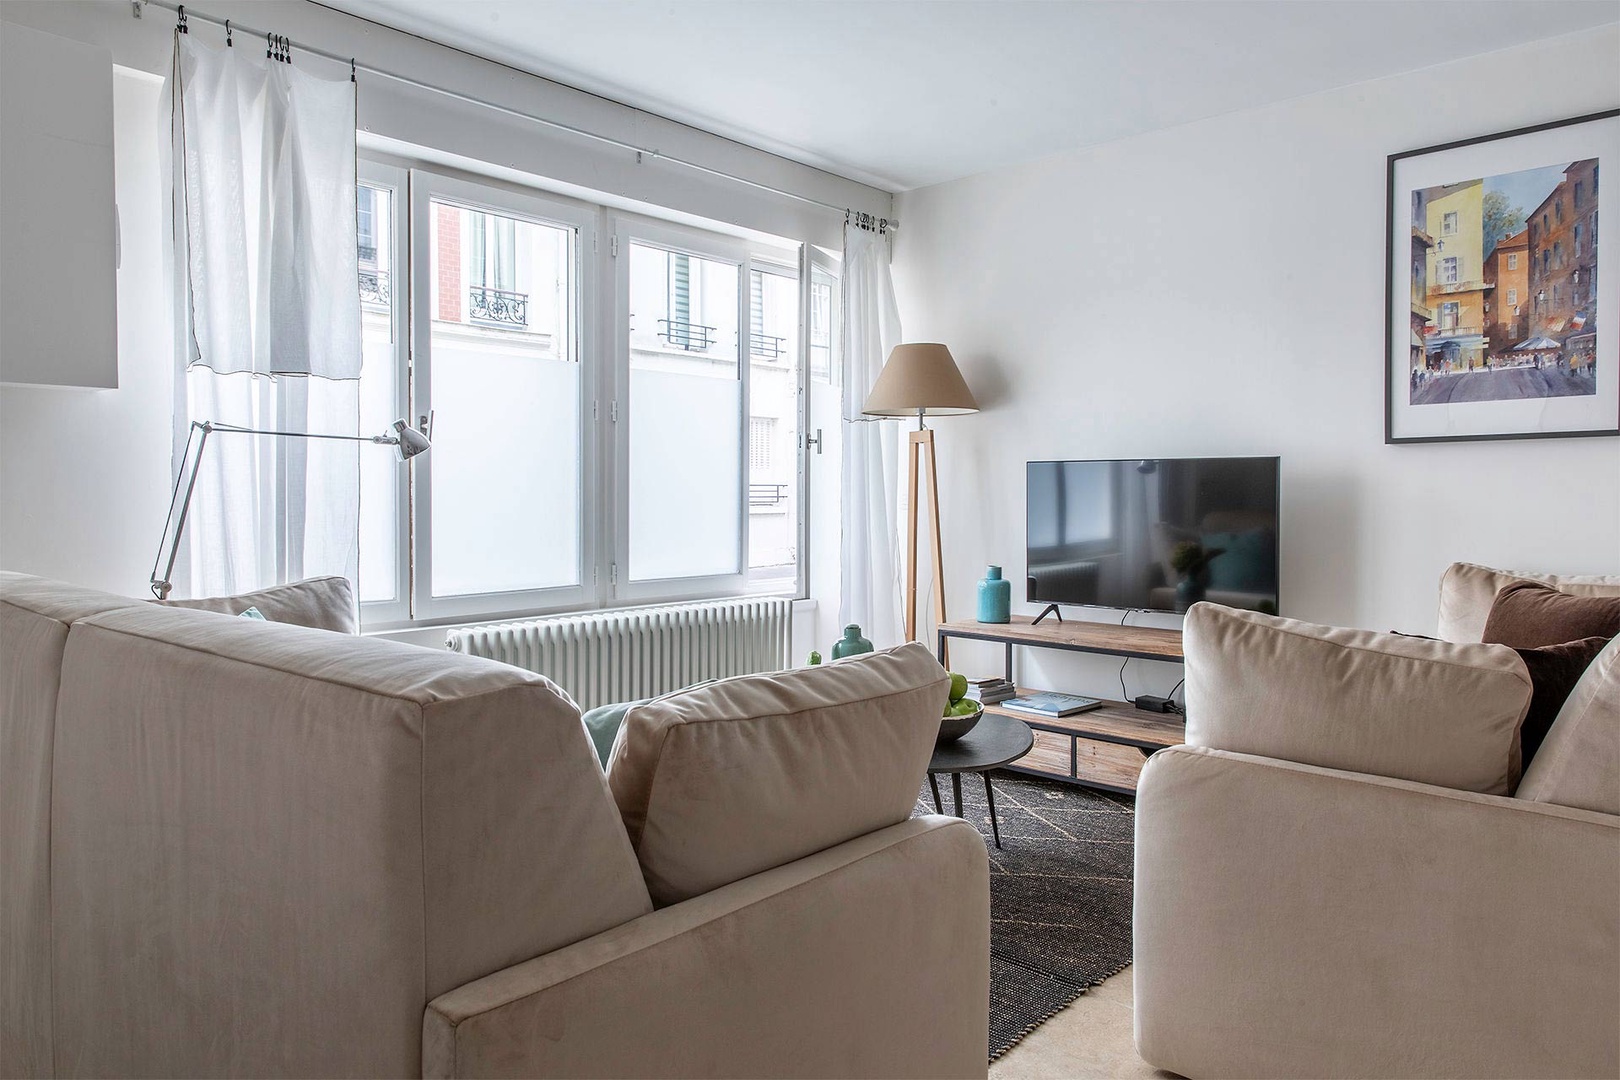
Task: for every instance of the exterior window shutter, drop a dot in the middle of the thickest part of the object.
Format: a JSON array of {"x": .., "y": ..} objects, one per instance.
[
  {"x": 681, "y": 283},
  {"x": 756, "y": 310}
]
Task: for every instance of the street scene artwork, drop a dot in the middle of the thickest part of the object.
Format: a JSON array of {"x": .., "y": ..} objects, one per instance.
[
  {"x": 1502, "y": 307},
  {"x": 1504, "y": 287}
]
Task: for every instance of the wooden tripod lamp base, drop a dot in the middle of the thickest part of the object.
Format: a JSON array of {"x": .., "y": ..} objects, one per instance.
[{"x": 922, "y": 442}]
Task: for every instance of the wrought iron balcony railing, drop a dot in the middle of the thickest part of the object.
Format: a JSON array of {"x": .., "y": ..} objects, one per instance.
[
  {"x": 368, "y": 253},
  {"x": 767, "y": 494},
  {"x": 766, "y": 346},
  {"x": 693, "y": 337},
  {"x": 503, "y": 307},
  {"x": 376, "y": 287}
]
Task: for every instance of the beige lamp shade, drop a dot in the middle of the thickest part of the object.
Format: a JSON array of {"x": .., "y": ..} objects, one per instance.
[{"x": 920, "y": 379}]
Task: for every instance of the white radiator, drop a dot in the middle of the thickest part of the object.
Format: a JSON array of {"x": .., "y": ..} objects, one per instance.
[{"x": 602, "y": 657}]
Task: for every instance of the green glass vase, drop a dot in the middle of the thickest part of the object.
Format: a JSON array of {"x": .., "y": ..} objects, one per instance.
[{"x": 851, "y": 644}]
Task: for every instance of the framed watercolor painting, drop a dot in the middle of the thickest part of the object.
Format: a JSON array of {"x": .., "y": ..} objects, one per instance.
[{"x": 1503, "y": 294}]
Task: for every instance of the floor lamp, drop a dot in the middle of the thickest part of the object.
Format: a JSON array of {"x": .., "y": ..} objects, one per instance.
[
  {"x": 921, "y": 380},
  {"x": 407, "y": 439}
]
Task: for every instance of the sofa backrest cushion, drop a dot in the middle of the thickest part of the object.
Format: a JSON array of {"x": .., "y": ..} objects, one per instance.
[
  {"x": 273, "y": 845},
  {"x": 1579, "y": 760},
  {"x": 1467, "y": 592},
  {"x": 325, "y": 603},
  {"x": 732, "y": 778},
  {"x": 1411, "y": 708},
  {"x": 35, "y": 615}
]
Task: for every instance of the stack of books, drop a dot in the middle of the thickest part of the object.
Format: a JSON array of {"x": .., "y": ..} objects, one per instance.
[{"x": 991, "y": 691}]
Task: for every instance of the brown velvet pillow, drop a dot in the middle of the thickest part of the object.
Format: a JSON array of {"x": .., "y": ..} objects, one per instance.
[
  {"x": 1528, "y": 615},
  {"x": 1554, "y": 671}
]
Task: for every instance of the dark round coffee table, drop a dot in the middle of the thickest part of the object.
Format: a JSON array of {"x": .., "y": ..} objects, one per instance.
[{"x": 995, "y": 740}]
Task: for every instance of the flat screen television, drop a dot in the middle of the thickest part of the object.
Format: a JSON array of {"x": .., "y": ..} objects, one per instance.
[{"x": 1158, "y": 534}]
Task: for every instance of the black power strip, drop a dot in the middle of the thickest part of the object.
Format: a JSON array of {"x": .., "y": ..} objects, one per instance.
[{"x": 1150, "y": 703}]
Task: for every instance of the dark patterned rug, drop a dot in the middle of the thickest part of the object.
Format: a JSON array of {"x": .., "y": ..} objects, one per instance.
[{"x": 1060, "y": 894}]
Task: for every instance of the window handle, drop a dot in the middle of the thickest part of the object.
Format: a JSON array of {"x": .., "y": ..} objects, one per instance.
[{"x": 813, "y": 440}]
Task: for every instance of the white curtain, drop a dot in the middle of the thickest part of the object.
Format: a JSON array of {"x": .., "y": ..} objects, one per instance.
[
  {"x": 267, "y": 269},
  {"x": 870, "y": 571}
]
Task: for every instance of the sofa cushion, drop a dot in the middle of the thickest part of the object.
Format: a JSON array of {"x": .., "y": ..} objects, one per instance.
[
  {"x": 1467, "y": 592},
  {"x": 1579, "y": 761},
  {"x": 1531, "y": 614},
  {"x": 1555, "y": 670},
  {"x": 719, "y": 782},
  {"x": 325, "y": 603},
  {"x": 35, "y": 615},
  {"x": 1435, "y": 712}
]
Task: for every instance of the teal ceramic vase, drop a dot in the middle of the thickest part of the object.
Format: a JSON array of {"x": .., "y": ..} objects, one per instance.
[
  {"x": 995, "y": 597},
  {"x": 851, "y": 644}
]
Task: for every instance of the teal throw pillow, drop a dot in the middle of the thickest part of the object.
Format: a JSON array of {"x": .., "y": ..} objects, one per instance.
[{"x": 602, "y": 724}]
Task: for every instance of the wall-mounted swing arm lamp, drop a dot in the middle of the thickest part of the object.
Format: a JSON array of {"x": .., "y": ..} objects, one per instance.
[{"x": 408, "y": 440}]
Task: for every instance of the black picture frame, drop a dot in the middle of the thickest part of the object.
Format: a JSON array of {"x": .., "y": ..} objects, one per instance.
[{"x": 1394, "y": 280}]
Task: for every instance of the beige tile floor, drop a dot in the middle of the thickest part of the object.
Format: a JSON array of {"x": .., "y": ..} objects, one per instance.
[{"x": 1091, "y": 1038}]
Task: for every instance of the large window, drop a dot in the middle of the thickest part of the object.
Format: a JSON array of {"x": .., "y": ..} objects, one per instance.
[{"x": 617, "y": 404}]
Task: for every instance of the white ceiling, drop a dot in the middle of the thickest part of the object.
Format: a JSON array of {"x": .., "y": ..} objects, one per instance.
[{"x": 905, "y": 93}]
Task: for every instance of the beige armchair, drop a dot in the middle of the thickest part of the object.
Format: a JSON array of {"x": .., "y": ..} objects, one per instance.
[{"x": 1341, "y": 873}]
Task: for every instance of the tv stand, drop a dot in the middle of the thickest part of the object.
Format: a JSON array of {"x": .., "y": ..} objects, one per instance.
[
  {"x": 1105, "y": 747},
  {"x": 1049, "y": 609}
]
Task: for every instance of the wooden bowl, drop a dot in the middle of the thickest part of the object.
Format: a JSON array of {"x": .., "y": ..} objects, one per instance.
[{"x": 952, "y": 728}]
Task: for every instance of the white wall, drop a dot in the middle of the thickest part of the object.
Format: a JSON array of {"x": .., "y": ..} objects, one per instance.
[
  {"x": 84, "y": 474},
  {"x": 1217, "y": 289}
]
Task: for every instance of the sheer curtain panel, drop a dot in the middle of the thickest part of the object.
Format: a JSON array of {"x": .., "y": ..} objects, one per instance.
[
  {"x": 265, "y": 220},
  {"x": 869, "y": 544}
]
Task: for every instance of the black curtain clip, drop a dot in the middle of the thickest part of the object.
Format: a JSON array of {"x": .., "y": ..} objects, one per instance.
[
  {"x": 180, "y": 21},
  {"x": 229, "y": 44},
  {"x": 269, "y": 46},
  {"x": 352, "y": 71}
]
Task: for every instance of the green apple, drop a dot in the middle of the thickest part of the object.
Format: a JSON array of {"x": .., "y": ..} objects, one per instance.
[{"x": 958, "y": 686}]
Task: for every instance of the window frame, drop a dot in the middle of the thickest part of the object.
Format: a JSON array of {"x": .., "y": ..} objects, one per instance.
[
  {"x": 492, "y": 196},
  {"x": 396, "y": 179},
  {"x": 602, "y": 350},
  {"x": 627, "y": 229},
  {"x": 793, "y": 266}
]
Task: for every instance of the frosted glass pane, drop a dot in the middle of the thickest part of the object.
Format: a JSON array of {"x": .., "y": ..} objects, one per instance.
[
  {"x": 380, "y": 467},
  {"x": 505, "y": 471},
  {"x": 505, "y": 391},
  {"x": 685, "y": 416},
  {"x": 685, "y": 457}
]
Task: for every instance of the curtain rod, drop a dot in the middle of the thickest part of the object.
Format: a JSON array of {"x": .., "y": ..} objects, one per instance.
[{"x": 190, "y": 13}]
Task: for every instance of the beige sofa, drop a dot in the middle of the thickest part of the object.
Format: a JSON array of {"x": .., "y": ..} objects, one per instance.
[
  {"x": 239, "y": 848},
  {"x": 1341, "y": 873}
]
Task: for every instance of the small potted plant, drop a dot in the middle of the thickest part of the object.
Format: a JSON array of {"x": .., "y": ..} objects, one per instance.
[{"x": 1191, "y": 560}]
